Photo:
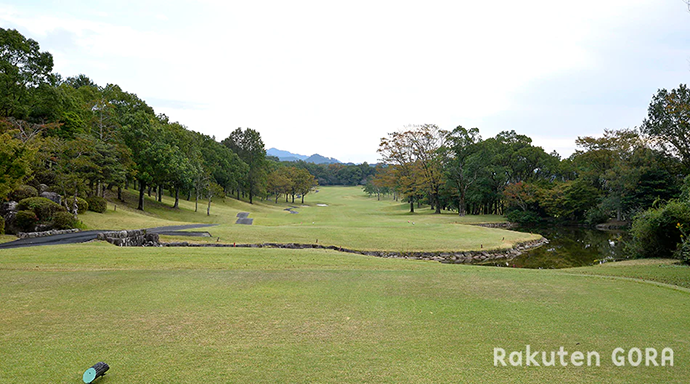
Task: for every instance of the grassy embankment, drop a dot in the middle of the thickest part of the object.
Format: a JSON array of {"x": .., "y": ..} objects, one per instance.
[{"x": 269, "y": 315}]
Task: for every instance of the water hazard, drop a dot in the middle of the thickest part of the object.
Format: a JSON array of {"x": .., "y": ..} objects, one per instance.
[{"x": 570, "y": 247}]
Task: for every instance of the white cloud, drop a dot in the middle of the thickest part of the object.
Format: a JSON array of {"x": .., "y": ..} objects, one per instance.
[{"x": 335, "y": 77}]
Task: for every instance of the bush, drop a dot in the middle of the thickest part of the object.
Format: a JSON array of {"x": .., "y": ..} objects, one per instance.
[
  {"x": 596, "y": 216},
  {"x": 23, "y": 192},
  {"x": 42, "y": 207},
  {"x": 2, "y": 225},
  {"x": 523, "y": 217},
  {"x": 656, "y": 232},
  {"x": 65, "y": 220},
  {"x": 97, "y": 204},
  {"x": 26, "y": 221},
  {"x": 82, "y": 205}
]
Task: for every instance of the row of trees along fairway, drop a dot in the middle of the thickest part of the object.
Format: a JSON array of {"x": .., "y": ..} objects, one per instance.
[
  {"x": 80, "y": 139},
  {"x": 609, "y": 177}
]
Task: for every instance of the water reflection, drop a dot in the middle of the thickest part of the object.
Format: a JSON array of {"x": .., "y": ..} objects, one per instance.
[{"x": 570, "y": 247}]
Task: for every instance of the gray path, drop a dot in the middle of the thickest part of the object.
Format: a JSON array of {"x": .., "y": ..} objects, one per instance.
[
  {"x": 84, "y": 236},
  {"x": 243, "y": 218}
]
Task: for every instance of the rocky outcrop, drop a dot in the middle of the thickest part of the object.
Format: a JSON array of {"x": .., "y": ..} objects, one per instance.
[
  {"x": 52, "y": 196},
  {"x": 464, "y": 257},
  {"x": 8, "y": 211},
  {"x": 131, "y": 238}
]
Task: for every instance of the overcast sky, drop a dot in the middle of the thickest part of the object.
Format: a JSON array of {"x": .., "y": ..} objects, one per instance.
[{"x": 334, "y": 77}]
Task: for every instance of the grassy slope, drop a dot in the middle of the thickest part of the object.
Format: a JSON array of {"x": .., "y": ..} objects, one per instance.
[
  {"x": 268, "y": 315},
  {"x": 351, "y": 219}
]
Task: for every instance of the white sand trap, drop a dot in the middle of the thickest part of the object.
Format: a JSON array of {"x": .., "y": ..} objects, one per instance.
[{"x": 322, "y": 205}]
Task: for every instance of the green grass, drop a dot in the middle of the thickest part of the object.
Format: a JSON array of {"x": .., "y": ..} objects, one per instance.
[
  {"x": 197, "y": 315},
  {"x": 266, "y": 315},
  {"x": 351, "y": 219},
  {"x": 6, "y": 238},
  {"x": 665, "y": 271}
]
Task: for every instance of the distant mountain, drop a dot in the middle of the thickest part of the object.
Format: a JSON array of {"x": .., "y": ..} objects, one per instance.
[
  {"x": 289, "y": 156},
  {"x": 318, "y": 159},
  {"x": 285, "y": 155}
]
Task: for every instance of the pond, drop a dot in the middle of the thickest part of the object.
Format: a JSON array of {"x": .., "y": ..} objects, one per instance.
[{"x": 570, "y": 247}]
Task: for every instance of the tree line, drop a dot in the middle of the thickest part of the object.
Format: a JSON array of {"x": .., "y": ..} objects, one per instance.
[
  {"x": 80, "y": 139},
  {"x": 637, "y": 177}
]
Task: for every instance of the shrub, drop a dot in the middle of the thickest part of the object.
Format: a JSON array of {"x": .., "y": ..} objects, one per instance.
[
  {"x": 42, "y": 207},
  {"x": 683, "y": 251},
  {"x": 523, "y": 217},
  {"x": 25, "y": 221},
  {"x": 596, "y": 216},
  {"x": 82, "y": 205},
  {"x": 23, "y": 192},
  {"x": 656, "y": 232},
  {"x": 97, "y": 204},
  {"x": 65, "y": 220},
  {"x": 2, "y": 225}
]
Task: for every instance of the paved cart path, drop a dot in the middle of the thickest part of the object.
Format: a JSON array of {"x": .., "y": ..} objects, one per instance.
[{"x": 84, "y": 236}]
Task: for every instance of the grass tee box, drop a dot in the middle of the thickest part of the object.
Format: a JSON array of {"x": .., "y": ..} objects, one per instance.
[{"x": 270, "y": 315}]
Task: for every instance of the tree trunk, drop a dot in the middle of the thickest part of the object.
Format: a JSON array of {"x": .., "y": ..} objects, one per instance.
[
  {"x": 119, "y": 193},
  {"x": 75, "y": 206},
  {"x": 160, "y": 194},
  {"x": 142, "y": 189},
  {"x": 461, "y": 203},
  {"x": 196, "y": 202},
  {"x": 303, "y": 198},
  {"x": 411, "y": 205},
  {"x": 438, "y": 202},
  {"x": 149, "y": 191},
  {"x": 177, "y": 198},
  {"x": 208, "y": 208},
  {"x": 251, "y": 196}
]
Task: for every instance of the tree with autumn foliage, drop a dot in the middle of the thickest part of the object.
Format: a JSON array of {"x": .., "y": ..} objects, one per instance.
[{"x": 415, "y": 162}]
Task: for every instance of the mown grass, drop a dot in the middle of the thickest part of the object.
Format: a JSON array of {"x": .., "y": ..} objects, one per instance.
[
  {"x": 6, "y": 238},
  {"x": 349, "y": 219},
  {"x": 665, "y": 271},
  {"x": 162, "y": 315},
  {"x": 193, "y": 315}
]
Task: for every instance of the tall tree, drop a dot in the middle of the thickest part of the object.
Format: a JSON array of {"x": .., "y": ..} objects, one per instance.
[
  {"x": 23, "y": 69},
  {"x": 247, "y": 144},
  {"x": 15, "y": 160},
  {"x": 668, "y": 122},
  {"x": 461, "y": 162},
  {"x": 427, "y": 141},
  {"x": 398, "y": 153}
]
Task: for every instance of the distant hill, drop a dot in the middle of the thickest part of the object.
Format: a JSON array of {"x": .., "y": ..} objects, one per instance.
[
  {"x": 289, "y": 156},
  {"x": 318, "y": 159},
  {"x": 285, "y": 155}
]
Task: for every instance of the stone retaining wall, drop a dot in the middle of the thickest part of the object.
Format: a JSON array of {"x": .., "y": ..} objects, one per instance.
[
  {"x": 465, "y": 257},
  {"x": 30, "y": 235},
  {"x": 504, "y": 225},
  {"x": 131, "y": 238}
]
